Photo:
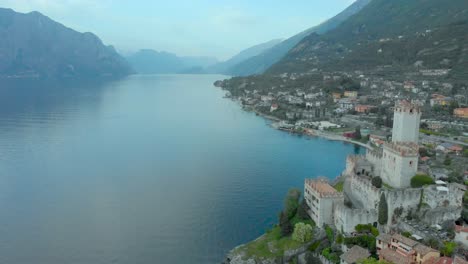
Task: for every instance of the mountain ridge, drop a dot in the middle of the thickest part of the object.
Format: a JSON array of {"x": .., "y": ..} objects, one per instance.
[
  {"x": 36, "y": 46},
  {"x": 260, "y": 63}
]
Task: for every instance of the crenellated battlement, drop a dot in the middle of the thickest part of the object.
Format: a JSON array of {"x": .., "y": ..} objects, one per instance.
[
  {"x": 407, "y": 107},
  {"x": 403, "y": 148}
]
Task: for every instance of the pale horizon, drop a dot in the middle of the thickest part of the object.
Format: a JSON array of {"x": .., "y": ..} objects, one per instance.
[{"x": 220, "y": 29}]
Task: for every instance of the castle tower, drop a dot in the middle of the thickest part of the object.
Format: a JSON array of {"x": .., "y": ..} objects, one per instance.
[{"x": 407, "y": 117}]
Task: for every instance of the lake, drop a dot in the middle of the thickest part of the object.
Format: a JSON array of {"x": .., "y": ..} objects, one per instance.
[{"x": 149, "y": 169}]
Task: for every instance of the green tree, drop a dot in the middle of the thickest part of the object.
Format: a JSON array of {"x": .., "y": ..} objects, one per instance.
[
  {"x": 302, "y": 210},
  {"x": 383, "y": 210},
  {"x": 448, "y": 249},
  {"x": 357, "y": 133},
  {"x": 291, "y": 202},
  {"x": 377, "y": 182},
  {"x": 285, "y": 225},
  {"x": 420, "y": 180},
  {"x": 330, "y": 233},
  {"x": 302, "y": 233},
  {"x": 447, "y": 161}
]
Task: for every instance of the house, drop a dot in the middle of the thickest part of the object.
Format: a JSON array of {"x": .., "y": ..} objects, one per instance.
[
  {"x": 351, "y": 94},
  {"x": 274, "y": 107},
  {"x": 321, "y": 197},
  {"x": 363, "y": 108},
  {"x": 445, "y": 147},
  {"x": 399, "y": 249},
  {"x": 347, "y": 103},
  {"x": 440, "y": 100},
  {"x": 461, "y": 235},
  {"x": 354, "y": 255},
  {"x": 456, "y": 149},
  {"x": 461, "y": 112}
]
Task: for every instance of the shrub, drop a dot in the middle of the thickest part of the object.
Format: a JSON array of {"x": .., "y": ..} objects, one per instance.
[
  {"x": 406, "y": 234},
  {"x": 421, "y": 180},
  {"x": 302, "y": 233},
  {"x": 377, "y": 182}
]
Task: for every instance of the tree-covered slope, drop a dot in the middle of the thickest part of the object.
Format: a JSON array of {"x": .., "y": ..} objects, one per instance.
[
  {"x": 394, "y": 35},
  {"x": 258, "y": 64}
]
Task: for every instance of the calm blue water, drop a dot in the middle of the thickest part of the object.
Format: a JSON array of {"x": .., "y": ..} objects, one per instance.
[{"x": 151, "y": 169}]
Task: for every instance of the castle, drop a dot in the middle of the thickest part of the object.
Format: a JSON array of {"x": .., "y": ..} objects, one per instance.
[{"x": 396, "y": 162}]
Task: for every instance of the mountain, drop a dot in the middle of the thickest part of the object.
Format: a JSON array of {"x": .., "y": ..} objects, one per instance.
[
  {"x": 148, "y": 61},
  {"x": 33, "y": 45},
  {"x": 225, "y": 67},
  {"x": 258, "y": 64},
  {"x": 390, "y": 36}
]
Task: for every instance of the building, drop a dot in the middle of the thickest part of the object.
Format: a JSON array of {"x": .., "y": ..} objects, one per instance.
[
  {"x": 351, "y": 94},
  {"x": 363, "y": 108},
  {"x": 347, "y": 103},
  {"x": 461, "y": 112},
  {"x": 321, "y": 198},
  {"x": 354, "y": 255},
  {"x": 461, "y": 235},
  {"x": 399, "y": 163},
  {"x": 399, "y": 249},
  {"x": 406, "y": 121},
  {"x": 274, "y": 107}
]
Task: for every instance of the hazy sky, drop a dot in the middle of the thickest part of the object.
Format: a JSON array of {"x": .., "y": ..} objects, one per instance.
[{"x": 218, "y": 28}]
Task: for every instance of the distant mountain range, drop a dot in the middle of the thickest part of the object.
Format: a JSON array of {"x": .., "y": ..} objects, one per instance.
[
  {"x": 259, "y": 63},
  {"x": 33, "y": 45},
  {"x": 148, "y": 61},
  {"x": 226, "y": 66},
  {"x": 390, "y": 37}
]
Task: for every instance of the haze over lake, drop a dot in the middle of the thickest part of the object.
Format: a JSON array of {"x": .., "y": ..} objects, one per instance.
[{"x": 149, "y": 169}]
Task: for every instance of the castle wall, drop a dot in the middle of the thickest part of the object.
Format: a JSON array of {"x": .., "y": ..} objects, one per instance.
[
  {"x": 375, "y": 159},
  {"x": 346, "y": 219},
  {"x": 361, "y": 192}
]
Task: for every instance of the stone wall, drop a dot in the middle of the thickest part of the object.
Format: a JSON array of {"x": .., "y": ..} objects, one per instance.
[
  {"x": 360, "y": 191},
  {"x": 346, "y": 219}
]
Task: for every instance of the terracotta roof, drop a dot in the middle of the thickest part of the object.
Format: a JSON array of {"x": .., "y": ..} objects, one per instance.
[
  {"x": 459, "y": 260},
  {"x": 423, "y": 250},
  {"x": 443, "y": 260},
  {"x": 355, "y": 254},
  {"x": 385, "y": 238},
  {"x": 405, "y": 240},
  {"x": 322, "y": 187},
  {"x": 394, "y": 257}
]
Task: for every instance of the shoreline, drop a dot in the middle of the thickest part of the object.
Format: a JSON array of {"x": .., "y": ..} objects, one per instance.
[{"x": 309, "y": 132}]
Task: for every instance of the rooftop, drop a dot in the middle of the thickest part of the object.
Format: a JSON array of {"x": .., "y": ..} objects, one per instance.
[
  {"x": 387, "y": 238},
  {"x": 394, "y": 256},
  {"x": 423, "y": 250},
  {"x": 322, "y": 187},
  {"x": 355, "y": 254},
  {"x": 405, "y": 240}
]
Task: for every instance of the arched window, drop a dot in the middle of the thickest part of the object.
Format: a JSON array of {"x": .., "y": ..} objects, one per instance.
[{"x": 411, "y": 163}]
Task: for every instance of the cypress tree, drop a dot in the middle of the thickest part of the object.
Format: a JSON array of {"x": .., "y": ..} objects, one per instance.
[{"x": 383, "y": 210}]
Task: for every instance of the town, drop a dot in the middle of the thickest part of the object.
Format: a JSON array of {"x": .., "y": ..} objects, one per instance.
[{"x": 405, "y": 200}]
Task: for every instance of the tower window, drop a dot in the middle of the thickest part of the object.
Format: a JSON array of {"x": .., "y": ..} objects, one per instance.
[
  {"x": 411, "y": 111},
  {"x": 411, "y": 163}
]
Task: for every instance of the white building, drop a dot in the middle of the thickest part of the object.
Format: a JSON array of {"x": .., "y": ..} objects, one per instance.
[{"x": 321, "y": 198}]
